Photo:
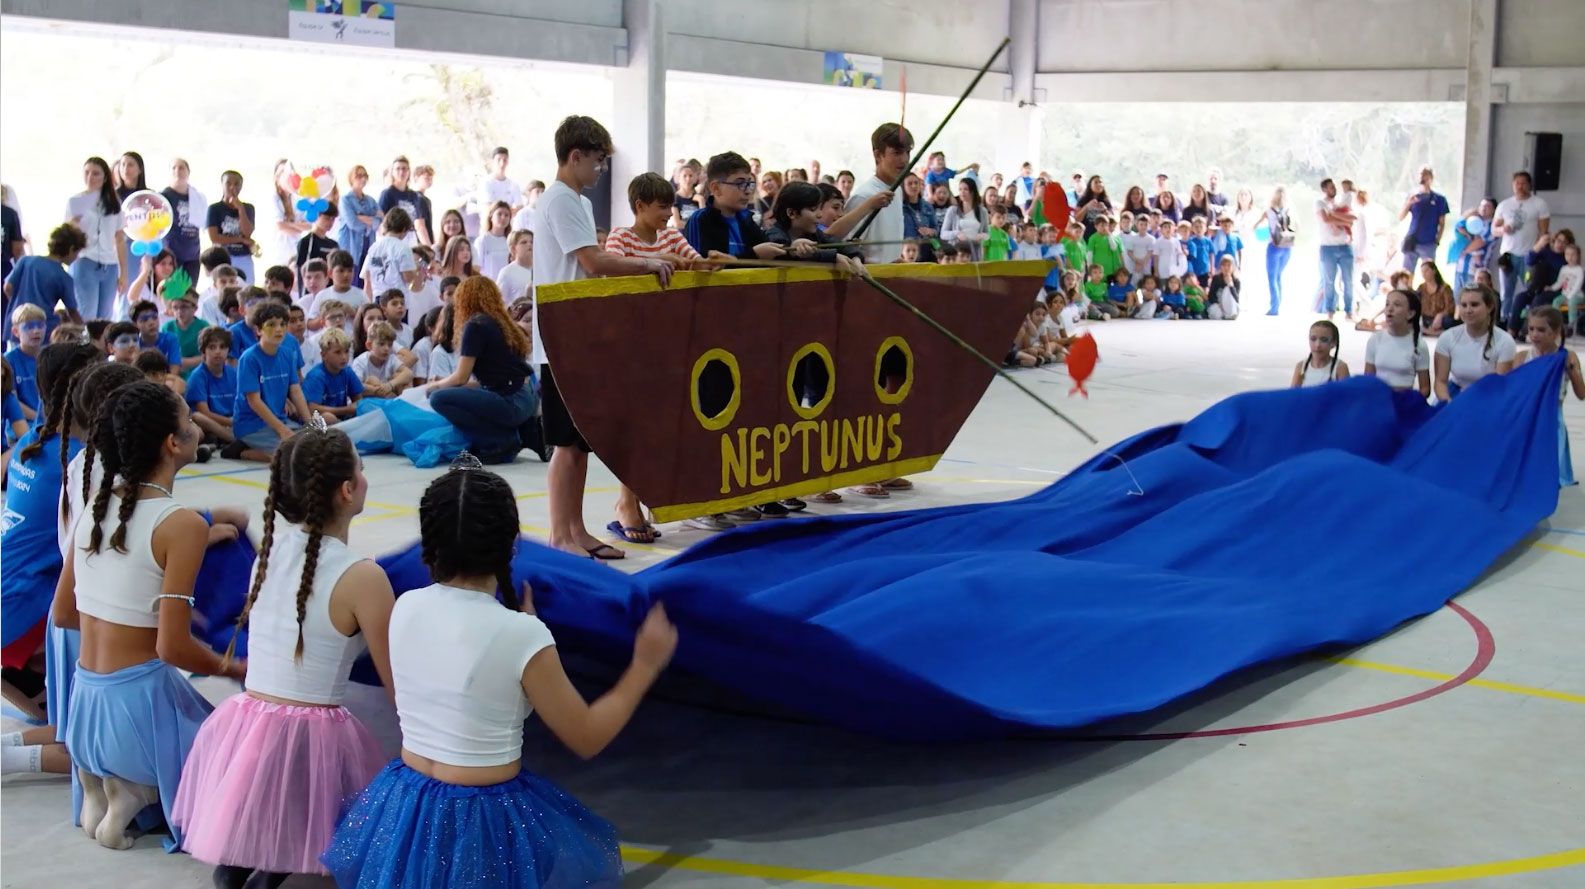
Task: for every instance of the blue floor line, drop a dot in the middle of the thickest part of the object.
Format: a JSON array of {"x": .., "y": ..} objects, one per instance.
[{"x": 246, "y": 469}]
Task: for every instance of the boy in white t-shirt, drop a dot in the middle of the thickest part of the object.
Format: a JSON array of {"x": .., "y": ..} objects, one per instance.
[
  {"x": 497, "y": 188},
  {"x": 209, "y": 303},
  {"x": 383, "y": 375},
  {"x": 390, "y": 263},
  {"x": 1167, "y": 254},
  {"x": 393, "y": 304},
  {"x": 423, "y": 292},
  {"x": 566, "y": 250},
  {"x": 340, "y": 290},
  {"x": 1139, "y": 249},
  {"x": 333, "y": 315},
  {"x": 517, "y": 279},
  {"x": 524, "y": 218}
]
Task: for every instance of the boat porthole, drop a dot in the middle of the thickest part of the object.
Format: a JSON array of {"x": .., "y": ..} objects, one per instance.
[
  {"x": 894, "y": 370},
  {"x": 715, "y": 389},
  {"x": 811, "y": 380}
]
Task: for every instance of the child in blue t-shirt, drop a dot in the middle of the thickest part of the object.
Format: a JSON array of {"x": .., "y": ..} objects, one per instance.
[
  {"x": 266, "y": 381},
  {"x": 332, "y": 388},
  {"x": 1121, "y": 291},
  {"x": 16, "y": 425},
  {"x": 1199, "y": 249},
  {"x": 940, "y": 174},
  {"x": 1173, "y": 298},
  {"x": 212, "y": 386},
  {"x": 1225, "y": 243},
  {"x": 27, "y": 330},
  {"x": 43, "y": 280},
  {"x": 146, "y": 315}
]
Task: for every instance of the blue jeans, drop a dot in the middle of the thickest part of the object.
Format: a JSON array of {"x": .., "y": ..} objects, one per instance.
[
  {"x": 488, "y": 420},
  {"x": 95, "y": 284},
  {"x": 1412, "y": 258},
  {"x": 1337, "y": 259},
  {"x": 1512, "y": 282},
  {"x": 1276, "y": 264}
]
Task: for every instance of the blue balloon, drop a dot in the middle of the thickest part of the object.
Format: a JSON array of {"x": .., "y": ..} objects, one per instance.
[
  {"x": 310, "y": 214},
  {"x": 1263, "y": 234},
  {"x": 303, "y": 203},
  {"x": 1475, "y": 226}
]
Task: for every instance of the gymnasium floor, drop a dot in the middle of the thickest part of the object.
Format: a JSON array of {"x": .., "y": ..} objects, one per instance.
[{"x": 1396, "y": 773}]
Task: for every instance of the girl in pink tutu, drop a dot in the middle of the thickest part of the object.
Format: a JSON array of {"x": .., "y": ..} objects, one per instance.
[{"x": 271, "y": 770}]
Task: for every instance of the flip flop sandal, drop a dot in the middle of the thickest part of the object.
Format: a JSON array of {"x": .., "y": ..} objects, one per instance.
[
  {"x": 602, "y": 553},
  {"x": 631, "y": 535},
  {"x": 897, "y": 484}
]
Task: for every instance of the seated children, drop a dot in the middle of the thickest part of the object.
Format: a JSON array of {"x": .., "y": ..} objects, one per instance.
[
  {"x": 1149, "y": 299},
  {"x": 1101, "y": 309},
  {"x": 186, "y": 326},
  {"x": 146, "y": 315},
  {"x": 1222, "y": 305},
  {"x": 1194, "y": 295},
  {"x": 279, "y": 280},
  {"x": 393, "y": 306},
  {"x": 1173, "y": 302},
  {"x": 331, "y": 387},
  {"x": 121, "y": 340},
  {"x": 212, "y": 386},
  {"x": 1120, "y": 293},
  {"x": 224, "y": 277},
  {"x": 148, "y": 363},
  {"x": 28, "y": 323},
  {"x": 316, "y": 276},
  {"x": 267, "y": 380},
  {"x": 243, "y": 334},
  {"x": 382, "y": 373},
  {"x": 333, "y": 316}
]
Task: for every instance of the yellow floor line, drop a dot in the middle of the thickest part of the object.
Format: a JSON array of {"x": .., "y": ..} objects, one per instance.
[
  {"x": 1552, "y": 547},
  {"x": 1509, "y": 687},
  {"x": 726, "y": 867}
]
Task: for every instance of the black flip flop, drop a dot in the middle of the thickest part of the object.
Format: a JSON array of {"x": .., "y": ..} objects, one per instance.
[{"x": 595, "y": 553}]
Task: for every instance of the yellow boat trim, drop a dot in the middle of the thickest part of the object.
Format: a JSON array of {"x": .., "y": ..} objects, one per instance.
[
  {"x": 863, "y": 475},
  {"x": 809, "y": 413},
  {"x": 601, "y": 287}
]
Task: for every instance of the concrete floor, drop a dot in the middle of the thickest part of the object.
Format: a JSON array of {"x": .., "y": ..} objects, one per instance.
[{"x": 1478, "y": 786}]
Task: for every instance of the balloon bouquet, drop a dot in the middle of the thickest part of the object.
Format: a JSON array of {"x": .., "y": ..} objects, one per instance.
[
  {"x": 313, "y": 191},
  {"x": 146, "y": 218}
]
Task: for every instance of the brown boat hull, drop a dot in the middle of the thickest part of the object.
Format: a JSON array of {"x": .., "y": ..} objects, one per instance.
[{"x": 629, "y": 357}]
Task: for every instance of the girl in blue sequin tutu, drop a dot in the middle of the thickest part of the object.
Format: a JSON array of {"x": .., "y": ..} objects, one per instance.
[{"x": 456, "y": 808}]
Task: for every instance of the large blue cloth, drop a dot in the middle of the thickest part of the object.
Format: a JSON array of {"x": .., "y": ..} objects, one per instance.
[{"x": 1272, "y": 524}]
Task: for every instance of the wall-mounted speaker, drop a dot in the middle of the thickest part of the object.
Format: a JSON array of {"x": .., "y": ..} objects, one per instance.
[{"x": 1543, "y": 157}]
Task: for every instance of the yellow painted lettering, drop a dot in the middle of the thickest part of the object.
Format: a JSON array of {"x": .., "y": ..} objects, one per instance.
[
  {"x": 896, "y": 446},
  {"x": 873, "y": 437},
  {"x": 756, "y": 456},
  {"x": 802, "y": 428},
  {"x": 852, "y": 441},
  {"x": 781, "y": 439},
  {"x": 734, "y": 466},
  {"x": 830, "y": 445}
]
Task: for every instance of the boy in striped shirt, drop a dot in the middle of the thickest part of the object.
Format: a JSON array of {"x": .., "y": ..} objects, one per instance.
[{"x": 650, "y": 196}]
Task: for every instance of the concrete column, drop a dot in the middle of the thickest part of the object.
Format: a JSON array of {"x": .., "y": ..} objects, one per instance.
[
  {"x": 638, "y": 102},
  {"x": 1478, "y": 97},
  {"x": 1023, "y": 25}
]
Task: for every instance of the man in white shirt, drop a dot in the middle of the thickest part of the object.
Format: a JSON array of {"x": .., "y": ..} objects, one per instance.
[
  {"x": 890, "y": 144},
  {"x": 566, "y": 250},
  {"x": 1335, "y": 223},
  {"x": 1524, "y": 221},
  {"x": 524, "y": 218},
  {"x": 496, "y": 187}
]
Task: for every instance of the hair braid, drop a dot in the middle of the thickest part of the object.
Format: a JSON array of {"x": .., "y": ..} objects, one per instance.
[
  {"x": 469, "y": 526},
  {"x": 131, "y": 429},
  {"x": 93, "y": 387},
  {"x": 104, "y": 437},
  {"x": 58, "y": 365},
  {"x": 315, "y": 507},
  {"x": 261, "y": 563}
]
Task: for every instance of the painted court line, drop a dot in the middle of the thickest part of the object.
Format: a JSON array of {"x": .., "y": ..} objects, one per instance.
[
  {"x": 1457, "y": 873},
  {"x": 1509, "y": 687}
]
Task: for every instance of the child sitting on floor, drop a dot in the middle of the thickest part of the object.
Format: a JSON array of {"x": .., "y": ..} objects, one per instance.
[{"x": 383, "y": 375}]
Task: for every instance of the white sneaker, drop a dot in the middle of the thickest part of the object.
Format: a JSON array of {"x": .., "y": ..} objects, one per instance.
[{"x": 715, "y": 522}]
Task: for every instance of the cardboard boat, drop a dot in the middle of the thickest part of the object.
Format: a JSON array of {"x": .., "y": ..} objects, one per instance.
[{"x": 732, "y": 388}]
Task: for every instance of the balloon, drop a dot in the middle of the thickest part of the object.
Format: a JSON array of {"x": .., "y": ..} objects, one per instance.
[
  {"x": 1082, "y": 356},
  {"x": 325, "y": 179},
  {"x": 1475, "y": 225},
  {"x": 294, "y": 180},
  {"x": 1054, "y": 204},
  {"x": 1263, "y": 234},
  {"x": 146, "y": 219}
]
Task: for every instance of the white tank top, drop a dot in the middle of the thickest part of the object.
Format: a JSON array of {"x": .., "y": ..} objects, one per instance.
[
  {"x": 457, "y": 658},
  {"x": 1316, "y": 376},
  {"x": 321, "y": 677},
  {"x": 122, "y": 588}
]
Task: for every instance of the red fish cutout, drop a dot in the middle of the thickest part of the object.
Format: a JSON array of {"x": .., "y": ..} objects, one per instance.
[
  {"x": 1054, "y": 205},
  {"x": 1082, "y": 356}
]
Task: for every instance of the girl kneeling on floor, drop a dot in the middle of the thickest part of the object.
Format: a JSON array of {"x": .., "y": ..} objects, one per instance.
[
  {"x": 274, "y": 767},
  {"x": 133, "y": 715},
  {"x": 457, "y": 808},
  {"x": 1323, "y": 364}
]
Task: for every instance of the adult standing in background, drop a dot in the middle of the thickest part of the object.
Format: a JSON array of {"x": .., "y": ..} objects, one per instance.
[
  {"x": 230, "y": 225},
  {"x": 12, "y": 244},
  {"x": 497, "y": 188},
  {"x": 1523, "y": 221},
  {"x": 1163, "y": 186},
  {"x": 1336, "y": 229},
  {"x": 99, "y": 272},
  {"x": 1427, "y": 212},
  {"x": 189, "y": 211},
  {"x": 130, "y": 174},
  {"x": 1093, "y": 204},
  {"x": 1213, "y": 192},
  {"x": 1280, "y": 226},
  {"x": 423, "y": 181},
  {"x": 359, "y": 219},
  {"x": 400, "y": 195}
]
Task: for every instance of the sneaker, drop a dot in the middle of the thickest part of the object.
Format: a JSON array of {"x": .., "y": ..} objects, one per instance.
[
  {"x": 234, "y": 450},
  {"x": 793, "y": 504},
  {"x": 204, "y": 453},
  {"x": 717, "y": 522},
  {"x": 743, "y": 515},
  {"x": 772, "y": 511}
]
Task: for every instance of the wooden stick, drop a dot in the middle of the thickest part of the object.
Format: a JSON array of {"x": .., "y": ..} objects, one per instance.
[{"x": 920, "y": 154}]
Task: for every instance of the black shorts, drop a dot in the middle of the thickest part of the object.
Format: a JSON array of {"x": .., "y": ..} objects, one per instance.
[{"x": 553, "y": 417}]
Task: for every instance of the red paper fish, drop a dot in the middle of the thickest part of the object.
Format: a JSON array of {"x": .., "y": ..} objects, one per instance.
[
  {"x": 1054, "y": 204},
  {"x": 1082, "y": 356}
]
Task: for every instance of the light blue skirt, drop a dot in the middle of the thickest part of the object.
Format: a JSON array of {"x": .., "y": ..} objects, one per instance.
[
  {"x": 60, "y": 668},
  {"x": 1565, "y": 459},
  {"x": 409, "y": 831},
  {"x": 136, "y": 724}
]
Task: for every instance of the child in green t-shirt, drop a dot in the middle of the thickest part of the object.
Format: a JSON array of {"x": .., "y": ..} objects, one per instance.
[
  {"x": 1074, "y": 254},
  {"x": 1106, "y": 250},
  {"x": 1195, "y": 297},
  {"x": 1101, "y": 308},
  {"x": 998, "y": 246}
]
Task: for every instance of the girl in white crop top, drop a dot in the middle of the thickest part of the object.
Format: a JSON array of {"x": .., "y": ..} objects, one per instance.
[
  {"x": 1323, "y": 364},
  {"x": 1396, "y": 354},
  {"x": 129, "y": 588},
  {"x": 457, "y": 808},
  {"x": 273, "y": 768}
]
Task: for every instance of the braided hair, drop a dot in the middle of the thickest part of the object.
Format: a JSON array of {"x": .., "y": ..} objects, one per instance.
[
  {"x": 1413, "y": 299},
  {"x": 58, "y": 365},
  {"x": 469, "y": 526},
  {"x": 304, "y": 475},
  {"x": 128, "y": 432},
  {"x": 1337, "y": 347},
  {"x": 92, "y": 387}
]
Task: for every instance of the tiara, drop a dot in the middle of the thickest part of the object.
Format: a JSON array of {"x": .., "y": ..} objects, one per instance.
[
  {"x": 466, "y": 461},
  {"x": 318, "y": 423}
]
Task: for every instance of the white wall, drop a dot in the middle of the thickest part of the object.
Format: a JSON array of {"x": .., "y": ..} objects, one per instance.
[
  {"x": 1541, "y": 33},
  {"x": 1509, "y": 124}
]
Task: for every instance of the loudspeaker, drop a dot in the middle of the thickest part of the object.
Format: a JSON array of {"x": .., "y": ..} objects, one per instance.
[
  {"x": 1543, "y": 157},
  {"x": 600, "y": 197}
]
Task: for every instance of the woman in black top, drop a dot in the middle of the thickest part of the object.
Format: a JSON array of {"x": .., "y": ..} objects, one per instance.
[
  {"x": 130, "y": 175},
  {"x": 1093, "y": 204},
  {"x": 492, "y": 411},
  {"x": 1199, "y": 206},
  {"x": 1134, "y": 202}
]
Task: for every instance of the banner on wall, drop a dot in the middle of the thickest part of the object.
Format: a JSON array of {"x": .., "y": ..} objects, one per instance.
[
  {"x": 349, "y": 22},
  {"x": 852, "y": 69}
]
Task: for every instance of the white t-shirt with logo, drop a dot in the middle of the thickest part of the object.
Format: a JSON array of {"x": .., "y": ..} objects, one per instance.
[
  {"x": 1468, "y": 357},
  {"x": 387, "y": 260},
  {"x": 563, "y": 225},
  {"x": 1521, "y": 223},
  {"x": 1397, "y": 359}
]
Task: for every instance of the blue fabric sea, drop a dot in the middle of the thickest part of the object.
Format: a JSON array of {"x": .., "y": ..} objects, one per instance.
[{"x": 1051, "y": 612}]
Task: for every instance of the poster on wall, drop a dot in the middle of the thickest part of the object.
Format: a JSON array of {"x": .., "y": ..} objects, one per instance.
[
  {"x": 349, "y": 22},
  {"x": 853, "y": 69}
]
